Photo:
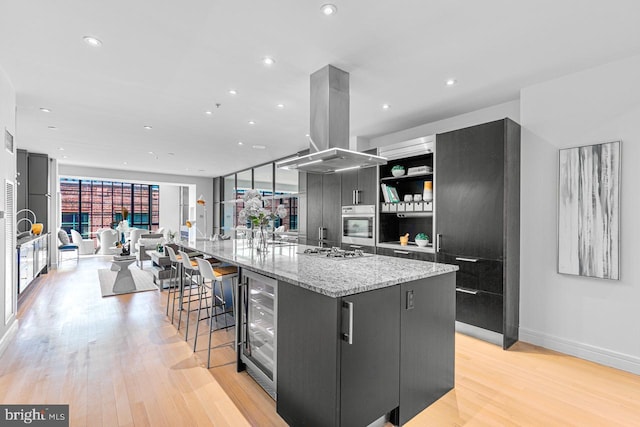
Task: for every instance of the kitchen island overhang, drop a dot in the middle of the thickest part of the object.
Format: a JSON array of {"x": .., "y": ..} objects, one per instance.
[{"x": 357, "y": 339}]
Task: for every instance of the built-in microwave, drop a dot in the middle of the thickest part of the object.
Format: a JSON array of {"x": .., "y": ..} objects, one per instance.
[{"x": 359, "y": 225}]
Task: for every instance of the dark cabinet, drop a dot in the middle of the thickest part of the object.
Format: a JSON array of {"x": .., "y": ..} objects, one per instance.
[
  {"x": 403, "y": 253},
  {"x": 323, "y": 209},
  {"x": 477, "y": 201},
  {"x": 23, "y": 181},
  {"x": 323, "y": 380},
  {"x": 359, "y": 187},
  {"x": 369, "y": 365},
  {"x": 38, "y": 187},
  {"x": 349, "y": 361}
]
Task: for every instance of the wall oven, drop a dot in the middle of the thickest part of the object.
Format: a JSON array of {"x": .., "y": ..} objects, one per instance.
[{"x": 359, "y": 225}]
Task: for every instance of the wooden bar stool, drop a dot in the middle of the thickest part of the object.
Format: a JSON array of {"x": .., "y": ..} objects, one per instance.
[{"x": 215, "y": 275}]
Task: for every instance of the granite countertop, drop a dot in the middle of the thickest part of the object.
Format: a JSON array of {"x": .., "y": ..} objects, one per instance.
[{"x": 333, "y": 277}]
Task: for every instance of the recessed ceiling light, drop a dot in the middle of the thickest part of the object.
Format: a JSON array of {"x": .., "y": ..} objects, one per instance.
[
  {"x": 125, "y": 163},
  {"x": 386, "y": 106},
  {"x": 52, "y": 127},
  {"x": 61, "y": 148},
  {"x": 280, "y": 106},
  {"x": 151, "y": 152},
  {"x": 45, "y": 110},
  {"x": 329, "y": 9},
  {"x": 208, "y": 112},
  {"x": 251, "y": 122},
  {"x": 92, "y": 41},
  {"x": 451, "y": 82},
  {"x": 259, "y": 147},
  {"x": 187, "y": 169},
  {"x": 148, "y": 127},
  {"x": 240, "y": 143},
  {"x": 233, "y": 92},
  {"x": 267, "y": 60},
  {"x": 64, "y": 157}
]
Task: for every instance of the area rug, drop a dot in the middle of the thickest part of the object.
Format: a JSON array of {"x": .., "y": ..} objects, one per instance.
[{"x": 142, "y": 279}]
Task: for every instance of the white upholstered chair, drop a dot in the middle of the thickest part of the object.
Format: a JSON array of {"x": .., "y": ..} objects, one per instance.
[
  {"x": 108, "y": 239},
  {"x": 133, "y": 238},
  {"x": 85, "y": 246}
]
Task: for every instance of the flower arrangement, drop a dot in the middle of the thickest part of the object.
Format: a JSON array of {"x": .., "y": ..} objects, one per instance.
[
  {"x": 259, "y": 215},
  {"x": 254, "y": 211}
]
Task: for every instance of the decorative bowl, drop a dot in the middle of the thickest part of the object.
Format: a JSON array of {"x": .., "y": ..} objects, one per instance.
[
  {"x": 422, "y": 242},
  {"x": 397, "y": 170}
]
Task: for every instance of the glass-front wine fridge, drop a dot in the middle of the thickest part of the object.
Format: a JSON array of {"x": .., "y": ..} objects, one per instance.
[{"x": 259, "y": 328}]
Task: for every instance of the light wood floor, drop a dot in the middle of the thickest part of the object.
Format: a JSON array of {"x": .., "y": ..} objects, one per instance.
[{"x": 119, "y": 361}]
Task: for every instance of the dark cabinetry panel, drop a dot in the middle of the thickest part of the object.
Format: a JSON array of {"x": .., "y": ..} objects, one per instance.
[
  {"x": 476, "y": 273},
  {"x": 470, "y": 190},
  {"x": 480, "y": 309},
  {"x": 427, "y": 343},
  {"x": 362, "y": 181},
  {"x": 323, "y": 208},
  {"x": 23, "y": 181},
  {"x": 477, "y": 214},
  {"x": 314, "y": 207},
  {"x": 308, "y": 346},
  {"x": 369, "y": 366},
  {"x": 402, "y": 253}
]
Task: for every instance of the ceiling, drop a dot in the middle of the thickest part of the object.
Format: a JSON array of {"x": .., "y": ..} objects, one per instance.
[{"x": 164, "y": 63}]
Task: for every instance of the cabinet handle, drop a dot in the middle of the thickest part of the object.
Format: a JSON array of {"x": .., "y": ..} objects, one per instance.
[
  {"x": 467, "y": 291},
  {"x": 467, "y": 259},
  {"x": 353, "y": 197},
  {"x": 400, "y": 252},
  {"x": 438, "y": 242},
  {"x": 355, "y": 246},
  {"x": 357, "y": 197},
  {"x": 348, "y": 337}
]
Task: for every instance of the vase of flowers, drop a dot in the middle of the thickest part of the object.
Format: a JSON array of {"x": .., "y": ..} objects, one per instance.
[
  {"x": 258, "y": 213},
  {"x": 123, "y": 226}
]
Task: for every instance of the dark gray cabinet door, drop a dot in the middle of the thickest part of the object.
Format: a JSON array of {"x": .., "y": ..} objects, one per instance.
[
  {"x": 331, "y": 208},
  {"x": 314, "y": 207},
  {"x": 470, "y": 190},
  {"x": 23, "y": 182},
  {"x": 369, "y": 366},
  {"x": 349, "y": 186},
  {"x": 427, "y": 349},
  {"x": 367, "y": 186}
]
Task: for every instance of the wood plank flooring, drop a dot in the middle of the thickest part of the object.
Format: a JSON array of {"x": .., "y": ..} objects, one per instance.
[{"x": 118, "y": 361}]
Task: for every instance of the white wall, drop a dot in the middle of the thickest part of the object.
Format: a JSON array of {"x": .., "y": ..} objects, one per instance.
[
  {"x": 169, "y": 206},
  {"x": 590, "y": 318},
  {"x": 7, "y": 172},
  {"x": 197, "y": 185},
  {"x": 508, "y": 109}
]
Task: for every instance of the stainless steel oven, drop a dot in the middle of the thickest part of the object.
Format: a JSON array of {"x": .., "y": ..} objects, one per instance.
[{"x": 359, "y": 225}]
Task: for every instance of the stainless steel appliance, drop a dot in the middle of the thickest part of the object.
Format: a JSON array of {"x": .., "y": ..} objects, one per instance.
[
  {"x": 258, "y": 335},
  {"x": 359, "y": 225}
]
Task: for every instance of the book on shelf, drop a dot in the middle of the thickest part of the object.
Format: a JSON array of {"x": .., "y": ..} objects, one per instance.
[
  {"x": 393, "y": 194},
  {"x": 385, "y": 194}
]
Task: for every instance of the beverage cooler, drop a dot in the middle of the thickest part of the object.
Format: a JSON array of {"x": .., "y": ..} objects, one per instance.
[{"x": 258, "y": 330}]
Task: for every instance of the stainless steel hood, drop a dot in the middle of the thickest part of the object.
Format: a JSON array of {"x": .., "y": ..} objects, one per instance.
[{"x": 329, "y": 127}]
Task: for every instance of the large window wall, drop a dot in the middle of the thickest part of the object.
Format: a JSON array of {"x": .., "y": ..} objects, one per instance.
[
  {"x": 88, "y": 205},
  {"x": 277, "y": 186}
]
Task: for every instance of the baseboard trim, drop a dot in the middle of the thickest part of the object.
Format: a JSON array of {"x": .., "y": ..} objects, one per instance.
[
  {"x": 592, "y": 353},
  {"x": 6, "y": 338}
]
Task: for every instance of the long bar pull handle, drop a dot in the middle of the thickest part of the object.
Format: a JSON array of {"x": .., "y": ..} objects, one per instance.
[
  {"x": 467, "y": 259},
  {"x": 400, "y": 252},
  {"x": 438, "y": 242},
  {"x": 353, "y": 197},
  {"x": 355, "y": 246},
  {"x": 467, "y": 291},
  {"x": 357, "y": 192},
  {"x": 348, "y": 337}
]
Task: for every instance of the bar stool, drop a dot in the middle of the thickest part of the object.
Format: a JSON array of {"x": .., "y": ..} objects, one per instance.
[
  {"x": 215, "y": 275},
  {"x": 190, "y": 269},
  {"x": 176, "y": 266}
]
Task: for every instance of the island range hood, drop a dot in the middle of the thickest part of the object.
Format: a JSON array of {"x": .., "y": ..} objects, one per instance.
[{"x": 329, "y": 127}]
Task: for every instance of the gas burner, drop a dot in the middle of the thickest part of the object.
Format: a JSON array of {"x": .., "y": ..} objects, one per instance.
[
  {"x": 334, "y": 253},
  {"x": 317, "y": 250}
]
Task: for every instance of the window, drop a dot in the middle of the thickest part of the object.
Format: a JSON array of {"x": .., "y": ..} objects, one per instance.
[{"x": 88, "y": 205}]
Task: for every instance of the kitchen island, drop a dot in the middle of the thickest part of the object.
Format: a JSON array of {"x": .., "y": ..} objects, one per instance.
[{"x": 358, "y": 340}]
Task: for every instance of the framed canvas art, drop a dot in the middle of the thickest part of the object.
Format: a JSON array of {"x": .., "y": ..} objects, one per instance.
[{"x": 589, "y": 211}]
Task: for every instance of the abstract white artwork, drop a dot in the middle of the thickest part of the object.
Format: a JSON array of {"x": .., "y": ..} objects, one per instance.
[{"x": 589, "y": 211}]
